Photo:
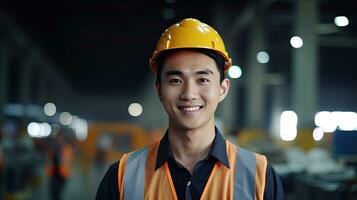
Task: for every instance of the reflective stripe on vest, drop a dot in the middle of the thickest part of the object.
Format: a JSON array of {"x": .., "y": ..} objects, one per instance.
[
  {"x": 244, "y": 177},
  {"x": 134, "y": 176},
  {"x": 244, "y": 186}
]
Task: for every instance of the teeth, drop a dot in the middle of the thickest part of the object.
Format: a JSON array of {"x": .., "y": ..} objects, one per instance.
[{"x": 190, "y": 109}]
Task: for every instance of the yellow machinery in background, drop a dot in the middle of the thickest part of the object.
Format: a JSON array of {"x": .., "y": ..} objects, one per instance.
[{"x": 108, "y": 141}]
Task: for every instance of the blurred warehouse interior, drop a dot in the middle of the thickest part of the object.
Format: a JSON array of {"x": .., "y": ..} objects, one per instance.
[{"x": 80, "y": 69}]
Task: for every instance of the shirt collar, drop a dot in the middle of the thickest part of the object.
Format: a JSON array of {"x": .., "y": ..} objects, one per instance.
[{"x": 218, "y": 150}]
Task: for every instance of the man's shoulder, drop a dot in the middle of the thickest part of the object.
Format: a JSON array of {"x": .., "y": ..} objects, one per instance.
[
  {"x": 113, "y": 168},
  {"x": 238, "y": 147},
  {"x": 260, "y": 158},
  {"x": 143, "y": 151}
]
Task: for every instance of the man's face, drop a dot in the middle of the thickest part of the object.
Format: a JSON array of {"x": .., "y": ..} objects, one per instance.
[{"x": 190, "y": 89}]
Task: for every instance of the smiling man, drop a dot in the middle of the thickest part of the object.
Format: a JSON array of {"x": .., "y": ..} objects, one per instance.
[{"x": 192, "y": 160}]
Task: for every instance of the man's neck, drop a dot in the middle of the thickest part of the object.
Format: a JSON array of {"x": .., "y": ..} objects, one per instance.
[{"x": 191, "y": 146}]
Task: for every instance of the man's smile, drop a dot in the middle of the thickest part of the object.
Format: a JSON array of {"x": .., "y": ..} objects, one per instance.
[{"x": 189, "y": 109}]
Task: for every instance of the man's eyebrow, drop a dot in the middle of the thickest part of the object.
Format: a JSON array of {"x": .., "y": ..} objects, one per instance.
[
  {"x": 179, "y": 73},
  {"x": 206, "y": 71},
  {"x": 173, "y": 72}
]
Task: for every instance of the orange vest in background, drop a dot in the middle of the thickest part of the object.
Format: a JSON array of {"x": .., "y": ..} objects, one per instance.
[
  {"x": 1, "y": 160},
  {"x": 65, "y": 162},
  {"x": 244, "y": 179}
]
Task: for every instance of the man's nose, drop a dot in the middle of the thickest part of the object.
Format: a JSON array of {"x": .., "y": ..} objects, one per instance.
[{"x": 189, "y": 91}]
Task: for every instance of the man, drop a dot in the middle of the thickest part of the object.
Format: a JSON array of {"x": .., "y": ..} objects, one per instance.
[{"x": 192, "y": 161}]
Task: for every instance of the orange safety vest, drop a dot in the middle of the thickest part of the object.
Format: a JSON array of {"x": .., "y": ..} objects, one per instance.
[{"x": 244, "y": 179}]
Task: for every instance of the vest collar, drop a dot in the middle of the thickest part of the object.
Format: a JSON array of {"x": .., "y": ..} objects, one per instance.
[{"x": 218, "y": 150}]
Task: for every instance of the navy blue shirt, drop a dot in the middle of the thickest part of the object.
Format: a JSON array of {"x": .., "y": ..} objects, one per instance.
[{"x": 108, "y": 188}]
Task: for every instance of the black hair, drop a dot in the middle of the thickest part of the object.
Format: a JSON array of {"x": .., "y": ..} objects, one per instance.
[{"x": 208, "y": 52}]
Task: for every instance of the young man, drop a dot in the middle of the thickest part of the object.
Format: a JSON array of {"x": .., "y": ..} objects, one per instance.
[{"x": 192, "y": 160}]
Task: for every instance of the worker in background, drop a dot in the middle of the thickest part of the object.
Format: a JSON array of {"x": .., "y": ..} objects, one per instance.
[
  {"x": 59, "y": 164},
  {"x": 192, "y": 160}
]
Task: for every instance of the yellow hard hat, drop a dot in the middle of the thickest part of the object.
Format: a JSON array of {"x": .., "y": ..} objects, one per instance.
[{"x": 190, "y": 33}]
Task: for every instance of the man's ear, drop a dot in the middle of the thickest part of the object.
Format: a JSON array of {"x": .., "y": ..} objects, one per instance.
[{"x": 224, "y": 88}]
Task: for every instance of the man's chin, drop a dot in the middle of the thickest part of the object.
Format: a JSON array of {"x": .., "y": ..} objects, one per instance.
[{"x": 188, "y": 126}]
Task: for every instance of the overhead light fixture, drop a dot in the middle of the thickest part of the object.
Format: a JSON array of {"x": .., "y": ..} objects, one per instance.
[
  {"x": 341, "y": 21},
  {"x": 49, "y": 109},
  {"x": 288, "y": 125},
  {"x": 135, "y": 109},
  {"x": 263, "y": 57},
  {"x": 235, "y": 72},
  {"x": 296, "y": 42}
]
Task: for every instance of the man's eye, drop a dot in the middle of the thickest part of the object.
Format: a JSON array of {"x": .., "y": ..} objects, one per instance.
[
  {"x": 203, "y": 80},
  {"x": 175, "y": 81}
]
